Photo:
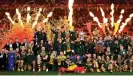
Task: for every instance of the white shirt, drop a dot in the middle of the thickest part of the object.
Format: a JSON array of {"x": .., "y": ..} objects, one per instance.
[
  {"x": 81, "y": 35},
  {"x": 10, "y": 45}
]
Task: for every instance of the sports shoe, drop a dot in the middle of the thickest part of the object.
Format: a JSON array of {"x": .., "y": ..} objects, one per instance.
[
  {"x": 98, "y": 70},
  {"x": 111, "y": 71},
  {"x": 18, "y": 69},
  {"x": 33, "y": 70},
  {"x": 131, "y": 70},
  {"x": 39, "y": 70},
  {"x": 46, "y": 70},
  {"x": 22, "y": 70}
]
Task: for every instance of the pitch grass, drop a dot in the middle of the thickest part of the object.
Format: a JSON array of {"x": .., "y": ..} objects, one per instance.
[{"x": 56, "y": 73}]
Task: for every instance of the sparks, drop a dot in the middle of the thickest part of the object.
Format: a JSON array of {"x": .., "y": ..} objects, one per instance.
[
  {"x": 37, "y": 17},
  {"x": 105, "y": 20},
  {"x": 19, "y": 17},
  {"x": 50, "y": 14},
  {"x": 95, "y": 19},
  {"x": 46, "y": 19},
  {"x": 112, "y": 15},
  {"x": 91, "y": 14},
  {"x": 70, "y": 5},
  {"x": 103, "y": 14},
  {"x": 28, "y": 15},
  {"x": 9, "y": 17},
  {"x": 131, "y": 15},
  {"x": 117, "y": 24},
  {"x": 120, "y": 17},
  {"x": 124, "y": 24}
]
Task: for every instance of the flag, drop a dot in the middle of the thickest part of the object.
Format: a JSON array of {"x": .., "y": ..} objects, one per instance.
[
  {"x": 89, "y": 27},
  {"x": 103, "y": 28},
  {"x": 116, "y": 28},
  {"x": 71, "y": 28}
]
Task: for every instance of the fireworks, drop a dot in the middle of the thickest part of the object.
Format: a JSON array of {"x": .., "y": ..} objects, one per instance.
[
  {"x": 26, "y": 28},
  {"x": 95, "y": 19},
  {"x": 117, "y": 24},
  {"x": 38, "y": 14},
  {"x": 105, "y": 20},
  {"x": 70, "y": 5},
  {"x": 112, "y": 15},
  {"x": 37, "y": 17},
  {"x": 9, "y": 17},
  {"x": 19, "y": 17},
  {"x": 46, "y": 19},
  {"x": 50, "y": 14},
  {"x": 28, "y": 15},
  {"x": 120, "y": 17},
  {"x": 124, "y": 24}
]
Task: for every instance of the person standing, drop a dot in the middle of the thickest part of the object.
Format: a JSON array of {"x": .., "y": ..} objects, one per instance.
[
  {"x": 17, "y": 44},
  {"x": 11, "y": 60}
]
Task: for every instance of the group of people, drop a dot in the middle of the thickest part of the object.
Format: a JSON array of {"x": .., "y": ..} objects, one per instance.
[{"x": 69, "y": 51}]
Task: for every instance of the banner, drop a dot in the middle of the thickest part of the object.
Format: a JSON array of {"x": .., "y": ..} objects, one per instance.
[
  {"x": 89, "y": 27},
  {"x": 116, "y": 28}
]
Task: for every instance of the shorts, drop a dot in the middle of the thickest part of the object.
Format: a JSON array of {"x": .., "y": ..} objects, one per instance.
[
  {"x": 30, "y": 59},
  {"x": 106, "y": 66},
  {"x": 44, "y": 63},
  {"x": 90, "y": 67}
]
